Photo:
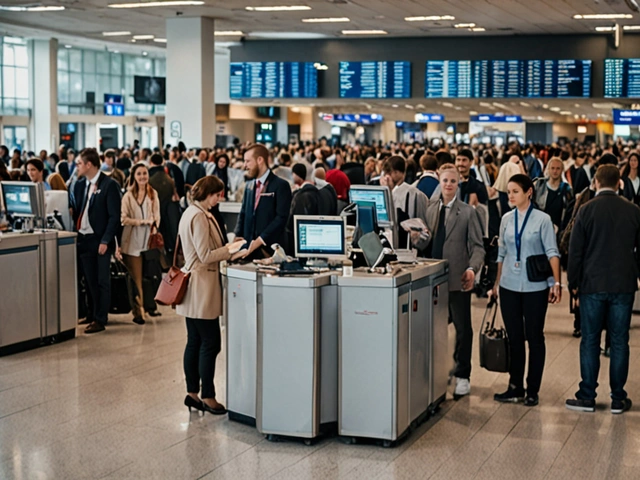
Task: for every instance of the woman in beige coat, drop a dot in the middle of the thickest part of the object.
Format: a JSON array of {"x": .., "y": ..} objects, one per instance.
[{"x": 204, "y": 249}]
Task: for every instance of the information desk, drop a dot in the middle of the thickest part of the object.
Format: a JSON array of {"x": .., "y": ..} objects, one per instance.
[{"x": 39, "y": 289}]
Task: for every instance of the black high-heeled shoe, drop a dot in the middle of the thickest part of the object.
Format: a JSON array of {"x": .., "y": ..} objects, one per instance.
[
  {"x": 190, "y": 402},
  {"x": 221, "y": 410}
]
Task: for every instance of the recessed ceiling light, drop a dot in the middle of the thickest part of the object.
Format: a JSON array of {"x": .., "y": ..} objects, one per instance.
[
  {"x": 364, "y": 32},
  {"x": 279, "y": 8},
  {"x": 326, "y": 20},
  {"x": 143, "y": 37},
  {"x": 631, "y": 27},
  {"x": 430, "y": 18},
  {"x": 168, "y": 3},
  {"x": 394, "y": 105},
  {"x": 477, "y": 29},
  {"x": 464, "y": 25},
  {"x": 566, "y": 112},
  {"x": 525, "y": 104},
  {"x": 160, "y": 40},
  {"x": 605, "y": 29},
  {"x": 228, "y": 33},
  {"x": 603, "y": 16},
  {"x": 38, "y": 8},
  {"x": 116, "y": 51},
  {"x": 115, "y": 34},
  {"x": 555, "y": 109},
  {"x": 144, "y": 54}
]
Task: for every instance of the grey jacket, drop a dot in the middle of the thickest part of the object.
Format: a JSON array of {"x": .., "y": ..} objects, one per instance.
[{"x": 463, "y": 246}]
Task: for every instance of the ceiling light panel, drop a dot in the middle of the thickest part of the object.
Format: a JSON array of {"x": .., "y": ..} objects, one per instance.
[
  {"x": 228, "y": 33},
  {"x": 326, "y": 20},
  {"x": 429, "y": 18},
  {"x": 364, "y": 32},
  {"x": 168, "y": 3},
  {"x": 37, "y": 8},
  {"x": 143, "y": 37},
  {"x": 115, "y": 34},
  {"x": 279, "y": 8},
  {"x": 464, "y": 25},
  {"x": 603, "y": 16}
]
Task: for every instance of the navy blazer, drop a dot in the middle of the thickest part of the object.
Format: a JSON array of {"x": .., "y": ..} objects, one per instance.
[
  {"x": 103, "y": 209},
  {"x": 270, "y": 218}
]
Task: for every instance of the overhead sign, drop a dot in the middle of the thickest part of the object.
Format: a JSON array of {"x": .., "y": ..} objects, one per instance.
[
  {"x": 429, "y": 117},
  {"x": 364, "y": 119},
  {"x": 496, "y": 118},
  {"x": 113, "y": 105},
  {"x": 626, "y": 117}
]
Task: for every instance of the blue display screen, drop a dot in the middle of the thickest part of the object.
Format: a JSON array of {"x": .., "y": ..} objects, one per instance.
[
  {"x": 366, "y": 197},
  {"x": 113, "y": 105},
  {"x": 375, "y": 79},
  {"x": 508, "y": 79},
  {"x": 273, "y": 80},
  {"x": 622, "y": 78},
  {"x": 17, "y": 199},
  {"x": 626, "y": 117}
]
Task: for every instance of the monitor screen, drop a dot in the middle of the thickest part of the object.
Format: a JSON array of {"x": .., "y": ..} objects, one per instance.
[
  {"x": 320, "y": 236},
  {"x": 149, "y": 90},
  {"x": 113, "y": 105},
  {"x": 366, "y": 196},
  {"x": 273, "y": 80},
  {"x": 375, "y": 79},
  {"x": 508, "y": 79},
  {"x": 18, "y": 198},
  {"x": 622, "y": 78}
]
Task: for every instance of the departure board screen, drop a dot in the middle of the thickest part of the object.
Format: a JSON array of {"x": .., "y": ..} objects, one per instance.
[
  {"x": 375, "y": 79},
  {"x": 508, "y": 78},
  {"x": 273, "y": 80},
  {"x": 622, "y": 78}
]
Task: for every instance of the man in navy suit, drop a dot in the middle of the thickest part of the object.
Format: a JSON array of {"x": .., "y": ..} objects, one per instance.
[
  {"x": 96, "y": 215},
  {"x": 265, "y": 205}
]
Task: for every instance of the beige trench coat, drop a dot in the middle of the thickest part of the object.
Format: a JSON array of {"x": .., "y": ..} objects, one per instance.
[{"x": 203, "y": 249}]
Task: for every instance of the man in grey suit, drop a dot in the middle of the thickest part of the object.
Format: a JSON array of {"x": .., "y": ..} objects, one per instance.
[{"x": 455, "y": 234}]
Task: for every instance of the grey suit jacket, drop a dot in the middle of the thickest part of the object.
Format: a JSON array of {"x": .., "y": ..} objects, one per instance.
[{"x": 463, "y": 246}]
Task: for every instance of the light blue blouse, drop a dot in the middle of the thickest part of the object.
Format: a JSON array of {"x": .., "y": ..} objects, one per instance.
[{"x": 538, "y": 238}]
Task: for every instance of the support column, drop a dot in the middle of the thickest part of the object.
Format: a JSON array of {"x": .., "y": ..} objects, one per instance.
[
  {"x": 282, "y": 126},
  {"x": 190, "y": 81},
  {"x": 43, "y": 92}
]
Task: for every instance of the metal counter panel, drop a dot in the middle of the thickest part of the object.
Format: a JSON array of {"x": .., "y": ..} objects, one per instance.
[
  {"x": 68, "y": 284},
  {"x": 439, "y": 336},
  {"x": 419, "y": 364},
  {"x": 329, "y": 354}
]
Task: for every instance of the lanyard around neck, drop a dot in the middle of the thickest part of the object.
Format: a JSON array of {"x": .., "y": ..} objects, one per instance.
[{"x": 519, "y": 234}]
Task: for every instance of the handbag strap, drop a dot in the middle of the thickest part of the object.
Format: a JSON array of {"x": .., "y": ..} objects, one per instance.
[{"x": 493, "y": 304}]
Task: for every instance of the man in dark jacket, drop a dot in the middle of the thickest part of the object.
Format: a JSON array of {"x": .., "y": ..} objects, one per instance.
[
  {"x": 96, "y": 214},
  {"x": 603, "y": 268},
  {"x": 305, "y": 201},
  {"x": 162, "y": 182},
  {"x": 265, "y": 205}
]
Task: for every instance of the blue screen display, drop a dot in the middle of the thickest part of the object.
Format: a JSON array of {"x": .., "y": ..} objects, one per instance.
[
  {"x": 622, "y": 78},
  {"x": 375, "y": 79},
  {"x": 626, "y": 117},
  {"x": 508, "y": 79},
  {"x": 273, "y": 80},
  {"x": 113, "y": 105}
]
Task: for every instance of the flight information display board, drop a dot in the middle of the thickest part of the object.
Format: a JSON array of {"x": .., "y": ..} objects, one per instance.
[
  {"x": 622, "y": 78},
  {"x": 273, "y": 80},
  {"x": 508, "y": 78},
  {"x": 375, "y": 79}
]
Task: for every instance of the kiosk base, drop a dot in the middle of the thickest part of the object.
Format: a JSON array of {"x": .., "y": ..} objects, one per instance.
[{"x": 240, "y": 418}]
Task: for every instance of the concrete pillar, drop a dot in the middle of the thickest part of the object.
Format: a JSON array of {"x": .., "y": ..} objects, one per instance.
[
  {"x": 190, "y": 81},
  {"x": 43, "y": 90},
  {"x": 282, "y": 126}
]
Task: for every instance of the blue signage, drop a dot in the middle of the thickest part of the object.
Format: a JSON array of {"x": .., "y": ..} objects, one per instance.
[
  {"x": 113, "y": 105},
  {"x": 626, "y": 117},
  {"x": 429, "y": 118},
  {"x": 399, "y": 124},
  {"x": 496, "y": 118},
  {"x": 364, "y": 119}
]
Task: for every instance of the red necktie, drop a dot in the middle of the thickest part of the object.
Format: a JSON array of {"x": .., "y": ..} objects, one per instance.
[{"x": 258, "y": 193}]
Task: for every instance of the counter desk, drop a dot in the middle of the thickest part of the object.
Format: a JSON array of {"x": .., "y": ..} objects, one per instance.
[{"x": 38, "y": 289}]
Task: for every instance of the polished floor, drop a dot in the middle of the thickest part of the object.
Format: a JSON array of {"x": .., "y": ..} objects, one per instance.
[{"x": 110, "y": 406}]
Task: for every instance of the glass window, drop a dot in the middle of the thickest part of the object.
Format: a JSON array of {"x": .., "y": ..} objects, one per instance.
[
  {"x": 21, "y": 57},
  {"x": 129, "y": 66},
  {"x": 22, "y": 83},
  {"x": 63, "y": 59},
  {"x": 116, "y": 85},
  {"x": 8, "y": 57},
  {"x": 102, "y": 62},
  {"x": 143, "y": 66},
  {"x": 75, "y": 60},
  {"x": 89, "y": 61},
  {"x": 160, "y": 67},
  {"x": 75, "y": 88},
  {"x": 63, "y": 87},
  {"x": 8, "y": 82},
  {"x": 89, "y": 82},
  {"x": 116, "y": 64}
]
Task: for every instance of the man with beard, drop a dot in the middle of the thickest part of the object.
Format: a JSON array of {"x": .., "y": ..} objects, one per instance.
[{"x": 265, "y": 205}]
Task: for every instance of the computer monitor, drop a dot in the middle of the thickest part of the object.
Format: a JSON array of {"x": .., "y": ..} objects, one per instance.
[
  {"x": 366, "y": 217},
  {"x": 381, "y": 196},
  {"x": 19, "y": 198},
  {"x": 320, "y": 237}
]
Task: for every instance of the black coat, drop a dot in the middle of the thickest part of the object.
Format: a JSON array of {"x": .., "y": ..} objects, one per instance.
[
  {"x": 603, "y": 251},
  {"x": 269, "y": 220},
  {"x": 580, "y": 179},
  {"x": 103, "y": 209},
  {"x": 305, "y": 201}
]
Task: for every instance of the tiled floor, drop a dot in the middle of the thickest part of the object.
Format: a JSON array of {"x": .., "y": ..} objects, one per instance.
[{"x": 110, "y": 406}]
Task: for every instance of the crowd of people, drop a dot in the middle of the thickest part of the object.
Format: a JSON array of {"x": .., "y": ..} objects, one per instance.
[{"x": 508, "y": 219}]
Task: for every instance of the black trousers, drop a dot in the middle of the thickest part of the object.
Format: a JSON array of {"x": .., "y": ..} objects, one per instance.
[
  {"x": 460, "y": 314},
  {"x": 203, "y": 346},
  {"x": 97, "y": 277},
  {"x": 524, "y": 316}
]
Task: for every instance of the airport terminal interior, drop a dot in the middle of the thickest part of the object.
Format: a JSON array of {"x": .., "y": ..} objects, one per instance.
[{"x": 251, "y": 239}]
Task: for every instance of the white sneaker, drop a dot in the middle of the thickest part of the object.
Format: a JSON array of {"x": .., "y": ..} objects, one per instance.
[{"x": 463, "y": 387}]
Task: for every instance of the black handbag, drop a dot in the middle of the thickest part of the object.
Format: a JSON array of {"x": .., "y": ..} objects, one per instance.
[
  {"x": 538, "y": 268},
  {"x": 494, "y": 343}
]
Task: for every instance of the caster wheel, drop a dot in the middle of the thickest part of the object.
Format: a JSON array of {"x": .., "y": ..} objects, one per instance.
[
  {"x": 386, "y": 443},
  {"x": 270, "y": 438},
  {"x": 308, "y": 442}
]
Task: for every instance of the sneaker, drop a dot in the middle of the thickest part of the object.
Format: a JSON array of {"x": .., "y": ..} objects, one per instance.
[
  {"x": 531, "y": 401},
  {"x": 463, "y": 387},
  {"x": 578, "y": 405},
  {"x": 512, "y": 395},
  {"x": 620, "y": 406}
]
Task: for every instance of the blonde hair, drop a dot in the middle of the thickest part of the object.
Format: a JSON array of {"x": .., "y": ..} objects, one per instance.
[{"x": 446, "y": 167}]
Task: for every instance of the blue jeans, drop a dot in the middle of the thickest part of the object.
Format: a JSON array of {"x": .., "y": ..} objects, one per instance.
[{"x": 595, "y": 309}]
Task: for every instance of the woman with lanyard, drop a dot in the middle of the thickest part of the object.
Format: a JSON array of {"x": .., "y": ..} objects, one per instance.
[{"x": 525, "y": 232}]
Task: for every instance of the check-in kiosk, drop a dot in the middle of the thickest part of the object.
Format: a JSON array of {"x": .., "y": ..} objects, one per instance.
[{"x": 380, "y": 198}]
